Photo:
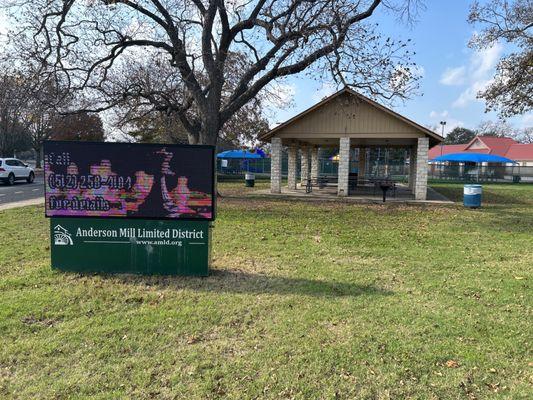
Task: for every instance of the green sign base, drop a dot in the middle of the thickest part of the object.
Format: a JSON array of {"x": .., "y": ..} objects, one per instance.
[{"x": 134, "y": 246}]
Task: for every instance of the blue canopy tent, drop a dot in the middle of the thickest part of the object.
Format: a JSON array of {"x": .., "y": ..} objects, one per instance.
[
  {"x": 473, "y": 158},
  {"x": 244, "y": 158},
  {"x": 240, "y": 154},
  {"x": 478, "y": 173}
]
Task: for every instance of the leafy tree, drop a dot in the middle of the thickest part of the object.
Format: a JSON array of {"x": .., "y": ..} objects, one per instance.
[
  {"x": 83, "y": 43},
  {"x": 151, "y": 127},
  {"x": 459, "y": 135},
  {"x": 509, "y": 21},
  {"x": 79, "y": 126}
]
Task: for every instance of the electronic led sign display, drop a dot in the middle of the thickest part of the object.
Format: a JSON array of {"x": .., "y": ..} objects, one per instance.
[{"x": 89, "y": 179}]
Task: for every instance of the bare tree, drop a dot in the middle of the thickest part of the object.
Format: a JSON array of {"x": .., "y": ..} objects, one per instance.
[
  {"x": 82, "y": 42},
  {"x": 498, "y": 128},
  {"x": 148, "y": 118},
  {"x": 27, "y": 109},
  {"x": 12, "y": 100},
  {"x": 510, "y": 21},
  {"x": 525, "y": 135},
  {"x": 42, "y": 105},
  {"x": 502, "y": 128}
]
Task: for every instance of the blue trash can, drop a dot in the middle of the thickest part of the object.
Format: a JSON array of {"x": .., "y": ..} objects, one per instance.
[{"x": 472, "y": 196}]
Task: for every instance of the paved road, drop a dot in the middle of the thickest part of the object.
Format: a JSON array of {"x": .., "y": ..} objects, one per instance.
[{"x": 21, "y": 191}]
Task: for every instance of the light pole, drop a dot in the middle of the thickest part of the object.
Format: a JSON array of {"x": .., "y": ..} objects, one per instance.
[{"x": 443, "y": 124}]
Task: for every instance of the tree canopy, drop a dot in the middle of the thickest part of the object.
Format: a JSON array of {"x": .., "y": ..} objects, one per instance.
[
  {"x": 500, "y": 128},
  {"x": 509, "y": 21},
  {"x": 80, "y": 126},
  {"x": 459, "y": 135},
  {"x": 86, "y": 46},
  {"x": 32, "y": 111}
]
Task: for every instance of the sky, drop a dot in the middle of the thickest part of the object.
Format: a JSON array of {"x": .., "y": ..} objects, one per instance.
[{"x": 452, "y": 73}]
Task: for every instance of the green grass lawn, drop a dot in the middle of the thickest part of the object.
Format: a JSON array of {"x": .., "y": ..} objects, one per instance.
[{"x": 306, "y": 301}]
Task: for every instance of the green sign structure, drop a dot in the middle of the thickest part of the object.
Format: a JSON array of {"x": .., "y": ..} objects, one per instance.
[
  {"x": 130, "y": 208},
  {"x": 162, "y": 247}
]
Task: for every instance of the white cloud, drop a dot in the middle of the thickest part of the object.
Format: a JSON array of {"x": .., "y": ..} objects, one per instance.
[
  {"x": 477, "y": 74},
  {"x": 483, "y": 62},
  {"x": 451, "y": 122},
  {"x": 480, "y": 71},
  {"x": 527, "y": 120},
  {"x": 436, "y": 114},
  {"x": 470, "y": 93},
  {"x": 453, "y": 76}
]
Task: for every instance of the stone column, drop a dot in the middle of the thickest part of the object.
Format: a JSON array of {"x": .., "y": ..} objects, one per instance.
[
  {"x": 291, "y": 173},
  {"x": 275, "y": 165},
  {"x": 344, "y": 166},
  {"x": 421, "y": 181},
  {"x": 314, "y": 163},
  {"x": 412, "y": 168},
  {"x": 361, "y": 169},
  {"x": 304, "y": 175}
]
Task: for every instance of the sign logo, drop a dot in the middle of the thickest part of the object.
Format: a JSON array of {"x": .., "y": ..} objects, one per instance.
[{"x": 62, "y": 237}]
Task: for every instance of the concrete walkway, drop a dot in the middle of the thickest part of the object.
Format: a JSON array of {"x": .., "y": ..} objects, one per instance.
[{"x": 22, "y": 203}]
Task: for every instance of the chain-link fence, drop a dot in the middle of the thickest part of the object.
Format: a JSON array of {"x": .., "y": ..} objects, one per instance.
[
  {"x": 241, "y": 166},
  {"x": 481, "y": 173},
  {"x": 326, "y": 167},
  {"x": 398, "y": 172}
]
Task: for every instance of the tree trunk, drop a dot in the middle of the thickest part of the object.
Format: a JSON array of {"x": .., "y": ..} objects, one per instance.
[
  {"x": 209, "y": 135},
  {"x": 38, "y": 156},
  {"x": 193, "y": 138}
]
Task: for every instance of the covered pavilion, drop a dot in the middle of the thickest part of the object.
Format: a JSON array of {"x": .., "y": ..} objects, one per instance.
[{"x": 348, "y": 120}]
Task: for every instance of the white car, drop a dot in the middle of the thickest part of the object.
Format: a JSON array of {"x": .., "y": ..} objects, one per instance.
[{"x": 12, "y": 170}]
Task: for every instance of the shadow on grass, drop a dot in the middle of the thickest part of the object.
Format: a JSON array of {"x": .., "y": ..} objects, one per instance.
[
  {"x": 234, "y": 281},
  {"x": 507, "y": 219}
]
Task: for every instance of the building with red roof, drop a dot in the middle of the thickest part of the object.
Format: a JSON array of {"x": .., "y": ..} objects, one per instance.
[{"x": 502, "y": 146}]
